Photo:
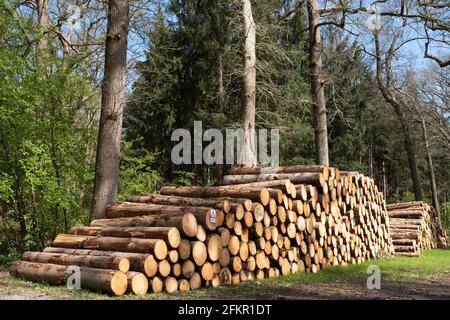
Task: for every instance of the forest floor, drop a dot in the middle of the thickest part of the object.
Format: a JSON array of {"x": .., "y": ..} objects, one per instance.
[{"x": 427, "y": 277}]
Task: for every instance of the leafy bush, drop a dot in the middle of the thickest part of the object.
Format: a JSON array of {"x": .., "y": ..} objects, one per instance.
[
  {"x": 136, "y": 173},
  {"x": 47, "y": 137},
  {"x": 445, "y": 215},
  {"x": 183, "y": 178}
]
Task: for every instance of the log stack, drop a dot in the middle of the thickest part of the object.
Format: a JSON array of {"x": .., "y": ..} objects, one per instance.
[
  {"x": 415, "y": 227},
  {"x": 263, "y": 222}
]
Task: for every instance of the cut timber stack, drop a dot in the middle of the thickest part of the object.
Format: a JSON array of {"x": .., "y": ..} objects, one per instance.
[
  {"x": 262, "y": 223},
  {"x": 415, "y": 227}
]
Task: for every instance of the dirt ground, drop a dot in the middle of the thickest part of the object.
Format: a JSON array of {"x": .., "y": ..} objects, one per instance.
[
  {"x": 436, "y": 289},
  {"x": 353, "y": 288}
]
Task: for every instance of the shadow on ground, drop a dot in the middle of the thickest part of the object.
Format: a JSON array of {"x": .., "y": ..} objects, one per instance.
[{"x": 354, "y": 288}]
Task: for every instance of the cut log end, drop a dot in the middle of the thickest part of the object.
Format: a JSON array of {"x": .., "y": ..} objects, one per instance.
[
  {"x": 207, "y": 272},
  {"x": 157, "y": 285},
  {"x": 124, "y": 265},
  {"x": 170, "y": 284},
  {"x": 214, "y": 247},
  {"x": 137, "y": 283},
  {"x": 174, "y": 238},
  {"x": 150, "y": 266},
  {"x": 119, "y": 283},
  {"x": 199, "y": 253},
  {"x": 160, "y": 249},
  {"x": 184, "y": 250},
  {"x": 196, "y": 281},
  {"x": 189, "y": 225},
  {"x": 264, "y": 196},
  {"x": 184, "y": 285}
]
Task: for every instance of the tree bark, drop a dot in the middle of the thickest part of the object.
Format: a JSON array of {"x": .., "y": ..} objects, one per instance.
[
  {"x": 137, "y": 283},
  {"x": 221, "y": 91},
  {"x": 100, "y": 262},
  {"x": 222, "y": 204},
  {"x": 405, "y": 205},
  {"x": 142, "y": 262},
  {"x": 169, "y": 234},
  {"x": 410, "y": 148},
  {"x": 317, "y": 85},
  {"x": 248, "y": 152},
  {"x": 205, "y": 216},
  {"x": 113, "y": 100},
  {"x": 135, "y": 245},
  {"x": 43, "y": 22},
  {"x": 255, "y": 193},
  {"x": 186, "y": 224},
  {"x": 434, "y": 193},
  {"x": 218, "y": 173},
  {"x": 276, "y": 179},
  {"x": 288, "y": 169},
  {"x": 109, "y": 281}
]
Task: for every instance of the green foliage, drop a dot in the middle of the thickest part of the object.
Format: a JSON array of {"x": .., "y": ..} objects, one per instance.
[
  {"x": 10, "y": 257},
  {"x": 178, "y": 80},
  {"x": 445, "y": 215},
  {"x": 6, "y": 192},
  {"x": 189, "y": 56},
  {"x": 350, "y": 99},
  {"x": 136, "y": 173},
  {"x": 194, "y": 42},
  {"x": 183, "y": 178},
  {"x": 407, "y": 197},
  {"x": 47, "y": 135},
  {"x": 297, "y": 146},
  {"x": 193, "y": 70}
]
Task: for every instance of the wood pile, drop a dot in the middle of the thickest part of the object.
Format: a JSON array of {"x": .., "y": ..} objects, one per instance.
[
  {"x": 263, "y": 222},
  {"x": 415, "y": 227}
]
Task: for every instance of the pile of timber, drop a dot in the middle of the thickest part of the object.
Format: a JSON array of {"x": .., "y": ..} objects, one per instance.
[
  {"x": 415, "y": 227},
  {"x": 262, "y": 223}
]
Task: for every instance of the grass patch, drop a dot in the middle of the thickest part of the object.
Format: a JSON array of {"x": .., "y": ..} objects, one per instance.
[{"x": 432, "y": 264}]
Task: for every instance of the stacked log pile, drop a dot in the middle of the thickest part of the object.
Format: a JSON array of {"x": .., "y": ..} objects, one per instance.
[
  {"x": 263, "y": 222},
  {"x": 415, "y": 227}
]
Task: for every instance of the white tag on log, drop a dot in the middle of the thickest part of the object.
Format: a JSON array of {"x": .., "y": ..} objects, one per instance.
[{"x": 213, "y": 219}]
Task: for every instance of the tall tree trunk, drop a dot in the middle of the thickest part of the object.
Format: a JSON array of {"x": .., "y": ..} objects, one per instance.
[
  {"x": 434, "y": 192},
  {"x": 388, "y": 93},
  {"x": 221, "y": 100},
  {"x": 317, "y": 85},
  {"x": 66, "y": 41},
  {"x": 410, "y": 148},
  {"x": 43, "y": 22},
  {"x": 384, "y": 181},
  {"x": 248, "y": 153},
  {"x": 371, "y": 171},
  {"x": 221, "y": 92},
  {"x": 113, "y": 101}
]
